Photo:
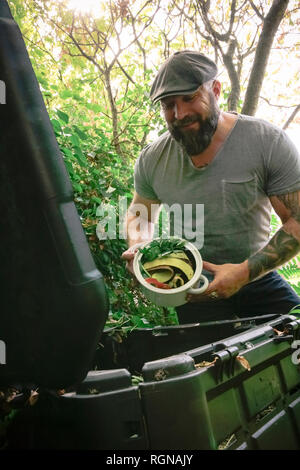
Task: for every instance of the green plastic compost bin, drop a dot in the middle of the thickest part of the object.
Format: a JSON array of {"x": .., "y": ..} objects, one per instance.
[
  {"x": 53, "y": 304},
  {"x": 242, "y": 392}
]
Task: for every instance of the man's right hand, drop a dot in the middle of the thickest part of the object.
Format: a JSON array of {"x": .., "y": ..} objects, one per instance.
[
  {"x": 140, "y": 219},
  {"x": 129, "y": 254}
]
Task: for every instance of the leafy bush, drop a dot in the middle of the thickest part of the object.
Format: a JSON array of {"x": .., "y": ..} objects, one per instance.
[{"x": 100, "y": 176}]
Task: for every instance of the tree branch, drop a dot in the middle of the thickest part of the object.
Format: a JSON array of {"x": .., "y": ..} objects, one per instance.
[
  {"x": 270, "y": 26},
  {"x": 278, "y": 105},
  {"x": 125, "y": 73},
  {"x": 203, "y": 10},
  {"x": 292, "y": 116},
  {"x": 256, "y": 10}
]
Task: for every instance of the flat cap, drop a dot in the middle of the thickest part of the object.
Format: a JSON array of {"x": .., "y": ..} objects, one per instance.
[{"x": 182, "y": 74}]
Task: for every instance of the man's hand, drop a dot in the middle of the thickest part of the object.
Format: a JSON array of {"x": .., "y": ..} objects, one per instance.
[
  {"x": 129, "y": 254},
  {"x": 228, "y": 279},
  {"x": 140, "y": 219}
]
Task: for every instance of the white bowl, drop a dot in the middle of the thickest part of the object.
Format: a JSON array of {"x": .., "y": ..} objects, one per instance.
[{"x": 177, "y": 296}]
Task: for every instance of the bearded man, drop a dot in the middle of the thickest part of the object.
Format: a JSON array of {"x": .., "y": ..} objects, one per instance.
[{"x": 238, "y": 167}]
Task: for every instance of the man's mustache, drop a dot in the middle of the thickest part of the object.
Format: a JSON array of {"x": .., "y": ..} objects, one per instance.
[{"x": 177, "y": 123}]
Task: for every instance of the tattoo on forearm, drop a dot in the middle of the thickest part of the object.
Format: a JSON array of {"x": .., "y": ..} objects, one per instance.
[
  {"x": 282, "y": 247},
  {"x": 292, "y": 202},
  {"x": 279, "y": 250}
]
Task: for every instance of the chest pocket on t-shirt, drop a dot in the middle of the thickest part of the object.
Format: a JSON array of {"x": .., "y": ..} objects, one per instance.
[{"x": 239, "y": 196}]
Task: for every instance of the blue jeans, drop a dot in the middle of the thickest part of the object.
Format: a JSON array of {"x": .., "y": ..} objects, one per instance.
[{"x": 269, "y": 295}]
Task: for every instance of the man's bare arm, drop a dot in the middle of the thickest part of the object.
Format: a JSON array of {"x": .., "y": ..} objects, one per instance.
[
  {"x": 140, "y": 219},
  {"x": 285, "y": 244}
]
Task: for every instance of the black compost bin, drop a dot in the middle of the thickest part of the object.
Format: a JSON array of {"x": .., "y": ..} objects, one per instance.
[
  {"x": 119, "y": 348},
  {"x": 53, "y": 300},
  {"x": 242, "y": 392}
]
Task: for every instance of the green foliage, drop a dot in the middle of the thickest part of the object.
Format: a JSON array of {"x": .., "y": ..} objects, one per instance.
[
  {"x": 296, "y": 310},
  {"x": 161, "y": 247},
  {"x": 291, "y": 270},
  {"x": 100, "y": 176}
]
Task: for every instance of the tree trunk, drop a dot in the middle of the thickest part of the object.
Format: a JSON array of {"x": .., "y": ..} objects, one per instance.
[
  {"x": 271, "y": 24},
  {"x": 114, "y": 112},
  {"x": 234, "y": 96}
]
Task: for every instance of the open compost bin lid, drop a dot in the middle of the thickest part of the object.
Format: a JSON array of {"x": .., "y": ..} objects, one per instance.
[{"x": 53, "y": 299}]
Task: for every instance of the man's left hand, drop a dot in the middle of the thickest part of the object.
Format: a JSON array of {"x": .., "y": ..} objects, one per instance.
[{"x": 228, "y": 279}]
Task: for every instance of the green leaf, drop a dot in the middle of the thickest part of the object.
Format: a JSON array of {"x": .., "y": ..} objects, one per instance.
[
  {"x": 75, "y": 140},
  {"x": 69, "y": 167},
  {"x": 77, "y": 187},
  {"x": 66, "y": 94},
  {"x": 67, "y": 152},
  {"x": 81, "y": 160},
  {"x": 96, "y": 199},
  {"x": 81, "y": 134},
  {"x": 42, "y": 81},
  {"x": 94, "y": 107},
  {"x": 63, "y": 116},
  {"x": 159, "y": 247},
  {"x": 56, "y": 125},
  {"x": 77, "y": 97}
]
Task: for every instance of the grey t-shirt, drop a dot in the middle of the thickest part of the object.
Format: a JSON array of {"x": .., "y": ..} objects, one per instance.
[{"x": 256, "y": 161}]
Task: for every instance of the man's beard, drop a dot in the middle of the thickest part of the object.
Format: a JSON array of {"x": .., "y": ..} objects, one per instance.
[{"x": 196, "y": 141}]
